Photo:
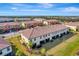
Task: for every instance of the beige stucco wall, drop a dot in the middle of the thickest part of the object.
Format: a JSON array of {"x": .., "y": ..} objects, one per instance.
[{"x": 72, "y": 27}]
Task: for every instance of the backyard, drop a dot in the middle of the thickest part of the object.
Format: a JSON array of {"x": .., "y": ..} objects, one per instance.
[{"x": 17, "y": 46}]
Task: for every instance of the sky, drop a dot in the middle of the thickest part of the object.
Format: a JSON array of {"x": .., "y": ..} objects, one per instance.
[{"x": 39, "y": 9}]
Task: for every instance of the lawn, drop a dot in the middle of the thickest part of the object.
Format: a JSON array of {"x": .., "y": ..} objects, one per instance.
[{"x": 66, "y": 48}]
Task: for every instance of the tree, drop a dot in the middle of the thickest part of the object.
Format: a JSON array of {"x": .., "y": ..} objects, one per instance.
[
  {"x": 30, "y": 44},
  {"x": 22, "y": 25},
  {"x": 18, "y": 53}
]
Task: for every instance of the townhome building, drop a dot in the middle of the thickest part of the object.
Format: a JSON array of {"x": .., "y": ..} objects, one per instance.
[
  {"x": 40, "y": 35},
  {"x": 5, "y": 48},
  {"x": 9, "y": 26},
  {"x": 73, "y": 25},
  {"x": 51, "y": 22}
]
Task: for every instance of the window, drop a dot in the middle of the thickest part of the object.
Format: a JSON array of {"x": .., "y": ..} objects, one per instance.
[
  {"x": 0, "y": 52},
  {"x": 34, "y": 39},
  {"x": 8, "y": 48},
  {"x": 40, "y": 37},
  {"x": 46, "y": 35},
  {"x": 43, "y": 35}
]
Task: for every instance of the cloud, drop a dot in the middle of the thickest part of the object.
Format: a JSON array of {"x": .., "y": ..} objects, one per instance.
[
  {"x": 34, "y": 10},
  {"x": 22, "y": 5},
  {"x": 46, "y": 5},
  {"x": 18, "y": 4},
  {"x": 70, "y": 9},
  {"x": 26, "y": 10},
  {"x": 25, "y": 7},
  {"x": 42, "y": 5},
  {"x": 14, "y": 8}
]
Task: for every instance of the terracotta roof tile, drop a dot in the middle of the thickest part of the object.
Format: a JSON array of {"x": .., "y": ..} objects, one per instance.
[
  {"x": 3, "y": 43},
  {"x": 9, "y": 23},
  {"x": 73, "y": 23},
  {"x": 39, "y": 31},
  {"x": 52, "y": 20}
]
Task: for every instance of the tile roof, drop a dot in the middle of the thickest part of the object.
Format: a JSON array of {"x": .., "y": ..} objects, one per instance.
[
  {"x": 26, "y": 22},
  {"x": 73, "y": 23},
  {"x": 52, "y": 20},
  {"x": 39, "y": 19},
  {"x": 39, "y": 31},
  {"x": 6, "y": 19},
  {"x": 17, "y": 23},
  {"x": 3, "y": 43},
  {"x": 9, "y": 23},
  {"x": 32, "y": 22}
]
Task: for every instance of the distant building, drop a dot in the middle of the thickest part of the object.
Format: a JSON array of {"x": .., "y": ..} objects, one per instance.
[
  {"x": 39, "y": 19},
  {"x": 51, "y": 22},
  {"x": 9, "y": 26},
  {"x": 5, "y": 19},
  {"x": 31, "y": 24},
  {"x": 73, "y": 25},
  {"x": 40, "y": 35},
  {"x": 12, "y": 19},
  {"x": 5, "y": 48},
  {"x": 15, "y": 26},
  {"x": 22, "y": 19}
]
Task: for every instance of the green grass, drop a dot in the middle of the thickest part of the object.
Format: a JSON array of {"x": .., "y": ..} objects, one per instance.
[
  {"x": 16, "y": 51},
  {"x": 18, "y": 48},
  {"x": 66, "y": 48}
]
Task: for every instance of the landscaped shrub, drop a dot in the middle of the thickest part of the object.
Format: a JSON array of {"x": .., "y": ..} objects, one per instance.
[
  {"x": 42, "y": 51},
  {"x": 18, "y": 53}
]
